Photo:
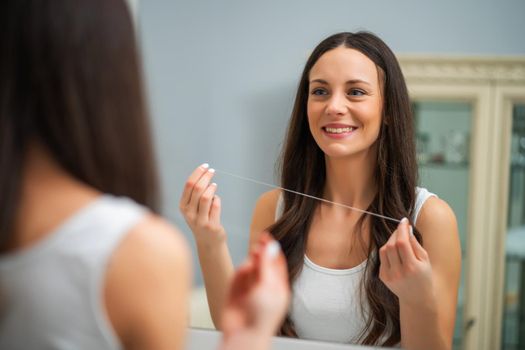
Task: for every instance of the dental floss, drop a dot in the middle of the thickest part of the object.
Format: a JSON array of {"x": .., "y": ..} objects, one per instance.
[{"x": 306, "y": 195}]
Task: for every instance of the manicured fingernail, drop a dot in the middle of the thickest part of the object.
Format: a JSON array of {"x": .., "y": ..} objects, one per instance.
[
  {"x": 205, "y": 165},
  {"x": 272, "y": 249},
  {"x": 404, "y": 220},
  {"x": 211, "y": 170}
]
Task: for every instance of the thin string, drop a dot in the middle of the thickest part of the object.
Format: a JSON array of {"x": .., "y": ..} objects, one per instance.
[{"x": 306, "y": 195}]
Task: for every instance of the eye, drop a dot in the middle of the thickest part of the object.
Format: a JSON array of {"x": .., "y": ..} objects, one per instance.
[
  {"x": 319, "y": 92},
  {"x": 356, "y": 92}
]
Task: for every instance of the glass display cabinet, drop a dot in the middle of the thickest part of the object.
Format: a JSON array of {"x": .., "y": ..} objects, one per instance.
[
  {"x": 513, "y": 327},
  {"x": 470, "y": 142},
  {"x": 443, "y": 131}
]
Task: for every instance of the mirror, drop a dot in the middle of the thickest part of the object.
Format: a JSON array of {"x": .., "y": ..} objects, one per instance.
[{"x": 222, "y": 80}]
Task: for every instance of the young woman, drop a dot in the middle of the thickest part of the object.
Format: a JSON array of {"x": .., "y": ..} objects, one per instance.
[
  {"x": 85, "y": 261},
  {"x": 356, "y": 277}
]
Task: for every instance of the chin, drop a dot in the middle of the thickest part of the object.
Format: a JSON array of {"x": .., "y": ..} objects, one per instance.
[{"x": 340, "y": 151}]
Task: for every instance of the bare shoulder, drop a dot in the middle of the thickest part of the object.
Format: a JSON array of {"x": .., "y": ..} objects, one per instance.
[
  {"x": 264, "y": 213},
  {"x": 147, "y": 283},
  {"x": 438, "y": 227},
  {"x": 153, "y": 245},
  {"x": 268, "y": 201},
  {"x": 435, "y": 213},
  {"x": 156, "y": 235}
]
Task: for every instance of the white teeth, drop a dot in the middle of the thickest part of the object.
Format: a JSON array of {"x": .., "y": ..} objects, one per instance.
[{"x": 339, "y": 130}]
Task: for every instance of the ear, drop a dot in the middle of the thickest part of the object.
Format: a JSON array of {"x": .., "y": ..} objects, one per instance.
[{"x": 384, "y": 119}]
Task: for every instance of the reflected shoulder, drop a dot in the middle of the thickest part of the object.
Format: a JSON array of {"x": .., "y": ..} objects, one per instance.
[
  {"x": 269, "y": 198},
  {"x": 267, "y": 204},
  {"x": 263, "y": 214},
  {"x": 438, "y": 227},
  {"x": 436, "y": 213}
]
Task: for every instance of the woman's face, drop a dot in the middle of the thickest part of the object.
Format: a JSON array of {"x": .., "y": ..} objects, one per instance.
[{"x": 344, "y": 102}]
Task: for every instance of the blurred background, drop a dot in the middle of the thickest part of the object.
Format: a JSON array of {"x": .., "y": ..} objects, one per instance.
[{"x": 222, "y": 75}]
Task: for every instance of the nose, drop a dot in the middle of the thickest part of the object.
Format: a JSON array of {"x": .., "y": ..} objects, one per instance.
[{"x": 336, "y": 105}]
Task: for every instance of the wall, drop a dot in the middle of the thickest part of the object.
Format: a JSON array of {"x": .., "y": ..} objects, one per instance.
[{"x": 222, "y": 76}]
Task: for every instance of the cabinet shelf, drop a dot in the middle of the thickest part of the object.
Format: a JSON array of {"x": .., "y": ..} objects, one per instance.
[
  {"x": 517, "y": 166},
  {"x": 445, "y": 165}
]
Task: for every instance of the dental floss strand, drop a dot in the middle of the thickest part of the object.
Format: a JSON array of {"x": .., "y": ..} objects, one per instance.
[{"x": 306, "y": 195}]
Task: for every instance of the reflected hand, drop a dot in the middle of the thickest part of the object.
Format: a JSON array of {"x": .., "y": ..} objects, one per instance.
[
  {"x": 201, "y": 208},
  {"x": 259, "y": 293},
  {"x": 405, "y": 267}
]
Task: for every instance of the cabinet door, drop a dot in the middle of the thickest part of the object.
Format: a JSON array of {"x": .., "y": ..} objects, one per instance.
[
  {"x": 513, "y": 320},
  {"x": 454, "y": 126},
  {"x": 485, "y": 188},
  {"x": 443, "y": 133}
]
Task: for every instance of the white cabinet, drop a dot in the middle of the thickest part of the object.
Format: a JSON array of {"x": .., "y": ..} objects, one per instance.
[{"x": 464, "y": 111}]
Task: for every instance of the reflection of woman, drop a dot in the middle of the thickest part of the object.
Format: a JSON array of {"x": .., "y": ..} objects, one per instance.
[
  {"x": 356, "y": 277},
  {"x": 83, "y": 263}
]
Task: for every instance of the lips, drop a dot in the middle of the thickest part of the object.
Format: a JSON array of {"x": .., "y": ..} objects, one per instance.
[{"x": 338, "y": 130}]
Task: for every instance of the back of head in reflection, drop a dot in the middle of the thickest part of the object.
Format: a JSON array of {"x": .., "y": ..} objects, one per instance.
[
  {"x": 77, "y": 184},
  {"x": 71, "y": 84},
  {"x": 85, "y": 262}
]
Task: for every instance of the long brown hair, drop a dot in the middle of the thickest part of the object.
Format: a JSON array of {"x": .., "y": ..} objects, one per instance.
[
  {"x": 71, "y": 80},
  {"x": 302, "y": 167}
]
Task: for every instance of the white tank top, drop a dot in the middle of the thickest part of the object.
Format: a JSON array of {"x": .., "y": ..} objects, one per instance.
[
  {"x": 51, "y": 294},
  {"x": 326, "y": 303}
]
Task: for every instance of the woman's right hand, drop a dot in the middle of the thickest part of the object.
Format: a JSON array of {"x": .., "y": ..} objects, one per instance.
[{"x": 201, "y": 207}]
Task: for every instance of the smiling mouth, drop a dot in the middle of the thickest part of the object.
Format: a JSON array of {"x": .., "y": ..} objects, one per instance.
[{"x": 336, "y": 131}]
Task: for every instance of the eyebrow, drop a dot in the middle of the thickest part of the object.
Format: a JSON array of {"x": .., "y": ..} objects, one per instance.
[{"x": 351, "y": 81}]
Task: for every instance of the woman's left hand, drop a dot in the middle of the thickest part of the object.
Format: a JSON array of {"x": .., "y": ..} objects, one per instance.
[
  {"x": 405, "y": 267},
  {"x": 259, "y": 293}
]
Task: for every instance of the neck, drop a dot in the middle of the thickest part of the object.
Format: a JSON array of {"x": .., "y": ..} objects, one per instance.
[
  {"x": 42, "y": 175},
  {"x": 48, "y": 195},
  {"x": 351, "y": 180}
]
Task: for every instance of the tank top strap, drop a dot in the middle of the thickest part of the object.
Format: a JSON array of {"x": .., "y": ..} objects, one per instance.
[{"x": 422, "y": 194}]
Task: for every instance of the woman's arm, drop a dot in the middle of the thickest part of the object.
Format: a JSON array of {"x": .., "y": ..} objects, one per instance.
[
  {"x": 426, "y": 280},
  {"x": 202, "y": 211},
  {"x": 147, "y": 287}
]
